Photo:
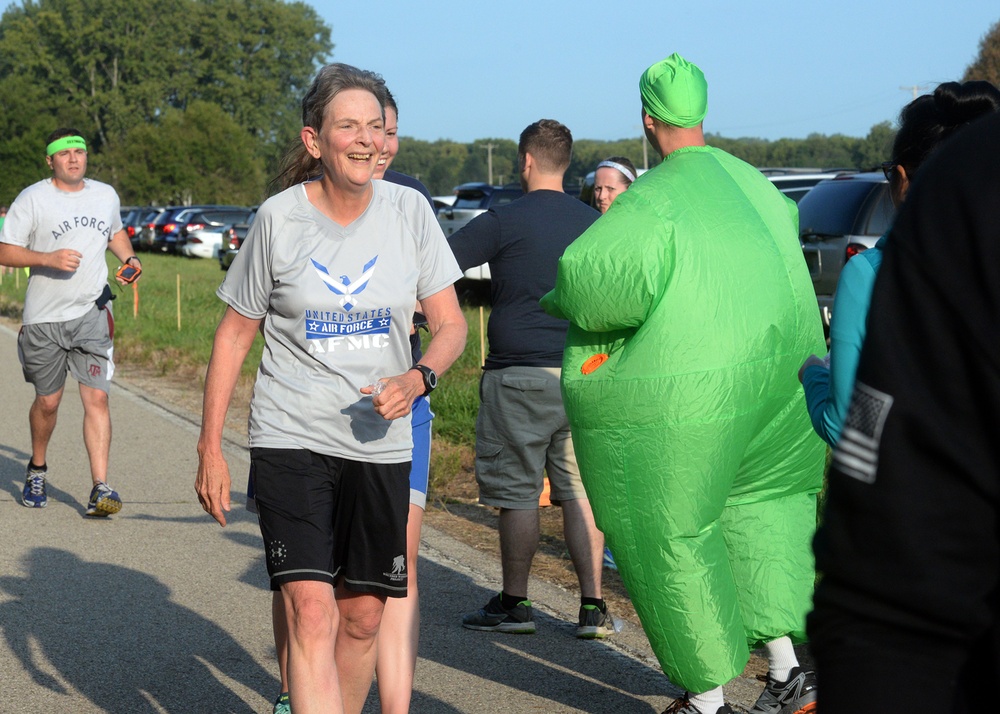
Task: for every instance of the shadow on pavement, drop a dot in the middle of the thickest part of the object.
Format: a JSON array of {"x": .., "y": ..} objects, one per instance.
[
  {"x": 114, "y": 635},
  {"x": 551, "y": 664},
  {"x": 12, "y": 465}
]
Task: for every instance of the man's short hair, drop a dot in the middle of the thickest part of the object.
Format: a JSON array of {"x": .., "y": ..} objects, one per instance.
[
  {"x": 60, "y": 133},
  {"x": 549, "y": 143}
]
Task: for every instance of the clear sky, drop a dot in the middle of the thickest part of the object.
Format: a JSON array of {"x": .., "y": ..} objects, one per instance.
[{"x": 466, "y": 70}]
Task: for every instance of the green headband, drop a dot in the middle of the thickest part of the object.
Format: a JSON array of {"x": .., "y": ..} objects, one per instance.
[
  {"x": 675, "y": 92},
  {"x": 67, "y": 142}
]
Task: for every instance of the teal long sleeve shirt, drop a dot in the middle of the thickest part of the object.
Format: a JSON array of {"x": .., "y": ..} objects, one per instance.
[{"x": 828, "y": 391}]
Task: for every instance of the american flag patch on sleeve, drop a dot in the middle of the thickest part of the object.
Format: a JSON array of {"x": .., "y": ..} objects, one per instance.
[{"x": 856, "y": 454}]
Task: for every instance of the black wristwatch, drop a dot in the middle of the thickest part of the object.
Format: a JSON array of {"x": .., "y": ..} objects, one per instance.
[{"x": 430, "y": 377}]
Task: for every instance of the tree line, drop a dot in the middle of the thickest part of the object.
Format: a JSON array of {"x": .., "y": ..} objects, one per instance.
[
  {"x": 442, "y": 165},
  {"x": 196, "y": 100}
]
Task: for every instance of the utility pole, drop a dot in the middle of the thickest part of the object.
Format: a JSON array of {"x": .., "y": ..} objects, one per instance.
[
  {"x": 915, "y": 88},
  {"x": 489, "y": 161},
  {"x": 645, "y": 148}
]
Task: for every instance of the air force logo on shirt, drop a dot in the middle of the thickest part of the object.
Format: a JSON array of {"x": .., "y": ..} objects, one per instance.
[
  {"x": 367, "y": 328},
  {"x": 343, "y": 285}
]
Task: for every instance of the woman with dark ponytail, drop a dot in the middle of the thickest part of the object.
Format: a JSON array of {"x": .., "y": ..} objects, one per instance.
[{"x": 924, "y": 124}]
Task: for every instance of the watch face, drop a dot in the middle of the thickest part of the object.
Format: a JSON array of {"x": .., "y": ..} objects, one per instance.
[{"x": 430, "y": 377}]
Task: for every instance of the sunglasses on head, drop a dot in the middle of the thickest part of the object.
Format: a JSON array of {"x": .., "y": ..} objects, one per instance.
[{"x": 888, "y": 169}]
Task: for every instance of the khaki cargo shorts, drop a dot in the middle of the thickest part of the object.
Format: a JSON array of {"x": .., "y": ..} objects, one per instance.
[{"x": 522, "y": 430}]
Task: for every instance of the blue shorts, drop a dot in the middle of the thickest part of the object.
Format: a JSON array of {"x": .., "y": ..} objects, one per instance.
[{"x": 421, "y": 459}]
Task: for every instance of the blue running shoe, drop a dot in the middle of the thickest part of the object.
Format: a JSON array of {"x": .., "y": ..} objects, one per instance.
[
  {"x": 282, "y": 705},
  {"x": 34, "y": 495},
  {"x": 103, "y": 501}
]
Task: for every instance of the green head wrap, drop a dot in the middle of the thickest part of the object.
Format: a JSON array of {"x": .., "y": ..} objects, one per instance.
[
  {"x": 66, "y": 142},
  {"x": 675, "y": 92}
]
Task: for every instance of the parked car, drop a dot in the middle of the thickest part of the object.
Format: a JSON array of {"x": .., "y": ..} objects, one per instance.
[
  {"x": 152, "y": 232},
  {"x": 232, "y": 238},
  {"x": 472, "y": 199},
  {"x": 838, "y": 219},
  {"x": 132, "y": 223},
  {"x": 146, "y": 228},
  {"x": 442, "y": 201},
  {"x": 202, "y": 235},
  {"x": 796, "y": 183},
  {"x": 168, "y": 226}
]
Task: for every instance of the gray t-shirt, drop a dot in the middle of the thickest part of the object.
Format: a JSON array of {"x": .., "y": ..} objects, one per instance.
[
  {"x": 44, "y": 219},
  {"x": 337, "y": 303}
]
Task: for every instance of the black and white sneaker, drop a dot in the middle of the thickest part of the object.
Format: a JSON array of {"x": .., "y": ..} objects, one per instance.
[
  {"x": 796, "y": 695},
  {"x": 684, "y": 706}
]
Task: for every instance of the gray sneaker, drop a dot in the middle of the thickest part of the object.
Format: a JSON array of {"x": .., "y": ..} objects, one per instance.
[
  {"x": 495, "y": 618},
  {"x": 797, "y": 695},
  {"x": 104, "y": 501},
  {"x": 594, "y": 624}
]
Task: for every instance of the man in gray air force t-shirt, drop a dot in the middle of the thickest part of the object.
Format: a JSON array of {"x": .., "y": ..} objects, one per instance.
[{"x": 60, "y": 228}]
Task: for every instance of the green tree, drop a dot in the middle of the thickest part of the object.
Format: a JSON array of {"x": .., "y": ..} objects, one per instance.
[
  {"x": 196, "y": 154},
  {"x": 876, "y": 147},
  {"x": 107, "y": 68},
  {"x": 256, "y": 62},
  {"x": 103, "y": 67},
  {"x": 436, "y": 164},
  {"x": 987, "y": 63}
]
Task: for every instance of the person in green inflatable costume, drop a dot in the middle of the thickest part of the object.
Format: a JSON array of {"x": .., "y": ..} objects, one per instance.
[{"x": 690, "y": 311}]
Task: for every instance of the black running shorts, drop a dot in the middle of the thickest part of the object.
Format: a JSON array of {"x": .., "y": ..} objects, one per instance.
[{"x": 332, "y": 519}]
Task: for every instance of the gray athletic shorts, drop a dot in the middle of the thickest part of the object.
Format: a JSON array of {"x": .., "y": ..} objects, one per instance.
[
  {"x": 521, "y": 430},
  {"x": 82, "y": 346}
]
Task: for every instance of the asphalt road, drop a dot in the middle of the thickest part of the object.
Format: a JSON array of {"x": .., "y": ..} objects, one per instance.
[{"x": 158, "y": 609}]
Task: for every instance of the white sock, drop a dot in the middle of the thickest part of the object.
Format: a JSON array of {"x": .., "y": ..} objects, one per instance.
[
  {"x": 781, "y": 658},
  {"x": 708, "y": 702}
]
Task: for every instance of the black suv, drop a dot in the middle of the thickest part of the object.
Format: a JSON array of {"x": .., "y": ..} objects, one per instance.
[
  {"x": 471, "y": 199},
  {"x": 838, "y": 219}
]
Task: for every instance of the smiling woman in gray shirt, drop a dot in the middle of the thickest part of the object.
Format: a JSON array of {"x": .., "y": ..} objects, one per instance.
[{"x": 330, "y": 274}]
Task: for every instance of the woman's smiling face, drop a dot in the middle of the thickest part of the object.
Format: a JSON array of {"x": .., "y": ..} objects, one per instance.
[
  {"x": 391, "y": 143},
  {"x": 351, "y": 139}
]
